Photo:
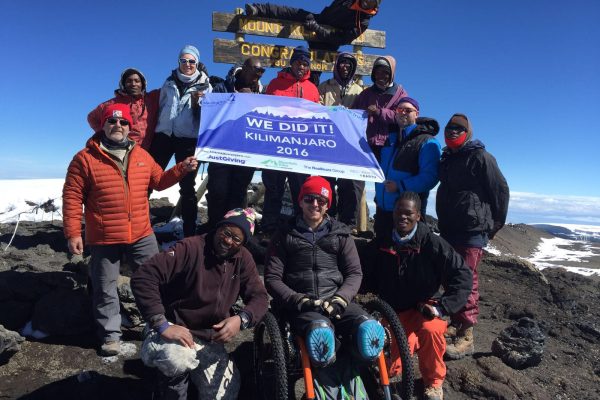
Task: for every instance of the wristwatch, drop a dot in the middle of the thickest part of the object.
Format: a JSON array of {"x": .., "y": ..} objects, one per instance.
[{"x": 245, "y": 320}]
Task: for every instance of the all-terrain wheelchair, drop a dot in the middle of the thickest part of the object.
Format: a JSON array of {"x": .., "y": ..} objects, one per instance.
[{"x": 282, "y": 365}]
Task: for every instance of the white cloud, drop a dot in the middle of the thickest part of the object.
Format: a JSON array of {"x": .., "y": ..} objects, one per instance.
[
  {"x": 555, "y": 207},
  {"x": 527, "y": 207}
]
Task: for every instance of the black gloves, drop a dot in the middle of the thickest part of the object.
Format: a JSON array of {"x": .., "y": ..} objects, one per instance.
[
  {"x": 305, "y": 304},
  {"x": 430, "y": 311},
  {"x": 310, "y": 24},
  {"x": 334, "y": 307}
]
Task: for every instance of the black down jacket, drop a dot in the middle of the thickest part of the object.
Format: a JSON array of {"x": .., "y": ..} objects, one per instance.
[
  {"x": 413, "y": 273},
  {"x": 473, "y": 194},
  {"x": 320, "y": 268}
]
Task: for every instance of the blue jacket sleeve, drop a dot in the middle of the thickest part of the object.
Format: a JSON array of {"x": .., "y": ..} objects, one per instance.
[{"x": 427, "y": 178}]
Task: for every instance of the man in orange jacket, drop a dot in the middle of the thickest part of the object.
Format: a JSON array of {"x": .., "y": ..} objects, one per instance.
[{"x": 111, "y": 178}]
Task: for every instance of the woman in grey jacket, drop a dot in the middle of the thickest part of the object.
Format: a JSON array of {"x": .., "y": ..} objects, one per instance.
[{"x": 179, "y": 123}]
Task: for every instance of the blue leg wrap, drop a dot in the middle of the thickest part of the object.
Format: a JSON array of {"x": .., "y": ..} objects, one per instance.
[
  {"x": 320, "y": 343},
  {"x": 370, "y": 339}
]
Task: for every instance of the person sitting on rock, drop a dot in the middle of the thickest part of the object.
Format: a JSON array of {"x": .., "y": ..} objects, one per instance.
[
  {"x": 408, "y": 276},
  {"x": 471, "y": 205},
  {"x": 186, "y": 295},
  {"x": 313, "y": 273},
  {"x": 111, "y": 178},
  {"x": 348, "y": 18}
]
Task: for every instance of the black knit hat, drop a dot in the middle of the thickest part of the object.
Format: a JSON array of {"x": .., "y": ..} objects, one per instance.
[
  {"x": 243, "y": 218},
  {"x": 300, "y": 53}
]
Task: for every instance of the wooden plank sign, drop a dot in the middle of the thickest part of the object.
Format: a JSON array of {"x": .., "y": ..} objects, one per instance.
[
  {"x": 278, "y": 56},
  {"x": 239, "y": 23}
]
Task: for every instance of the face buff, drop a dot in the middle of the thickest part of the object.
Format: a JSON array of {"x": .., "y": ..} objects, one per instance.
[{"x": 457, "y": 141}]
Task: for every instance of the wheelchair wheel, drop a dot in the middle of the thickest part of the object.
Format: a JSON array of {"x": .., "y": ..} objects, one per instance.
[
  {"x": 270, "y": 370},
  {"x": 384, "y": 313}
]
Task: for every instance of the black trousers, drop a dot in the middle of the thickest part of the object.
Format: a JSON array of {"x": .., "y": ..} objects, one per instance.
[
  {"x": 345, "y": 203},
  {"x": 268, "y": 10},
  {"x": 227, "y": 189},
  {"x": 162, "y": 149},
  {"x": 274, "y": 182}
]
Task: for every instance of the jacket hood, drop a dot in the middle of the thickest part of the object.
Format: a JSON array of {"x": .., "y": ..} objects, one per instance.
[
  {"x": 427, "y": 126},
  {"x": 231, "y": 76},
  {"x": 391, "y": 62},
  {"x": 126, "y": 72},
  {"x": 353, "y": 64}
]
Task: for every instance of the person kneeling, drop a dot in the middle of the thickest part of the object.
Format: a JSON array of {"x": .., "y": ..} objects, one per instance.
[
  {"x": 409, "y": 276},
  {"x": 185, "y": 294}
]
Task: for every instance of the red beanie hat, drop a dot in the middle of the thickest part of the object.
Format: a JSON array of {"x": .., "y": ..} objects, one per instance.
[
  {"x": 117, "y": 110},
  {"x": 316, "y": 185}
]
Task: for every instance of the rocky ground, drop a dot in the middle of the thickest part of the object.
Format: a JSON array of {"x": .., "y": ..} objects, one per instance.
[{"x": 39, "y": 283}]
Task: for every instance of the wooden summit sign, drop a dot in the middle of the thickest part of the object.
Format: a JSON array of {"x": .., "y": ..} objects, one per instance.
[
  {"x": 278, "y": 56},
  {"x": 239, "y": 23}
]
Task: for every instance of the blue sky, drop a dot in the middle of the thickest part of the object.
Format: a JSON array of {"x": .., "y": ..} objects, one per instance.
[{"x": 525, "y": 72}]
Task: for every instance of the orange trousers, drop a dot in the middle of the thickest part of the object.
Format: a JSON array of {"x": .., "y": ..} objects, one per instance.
[{"x": 427, "y": 338}]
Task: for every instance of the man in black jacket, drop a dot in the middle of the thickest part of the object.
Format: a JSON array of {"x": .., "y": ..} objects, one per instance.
[
  {"x": 349, "y": 18},
  {"x": 471, "y": 205},
  {"x": 408, "y": 276},
  {"x": 228, "y": 184},
  {"x": 313, "y": 273}
]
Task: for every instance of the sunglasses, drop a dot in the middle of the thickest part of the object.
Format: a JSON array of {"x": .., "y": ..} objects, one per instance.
[
  {"x": 258, "y": 70},
  {"x": 310, "y": 199},
  {"x": 226, "y": 233},
  {"x": 401, "y": 110},
  {"x": 122, "y": 122},
  {"x": 186, "y": 61},
  {"x": 454, "y": 128}
]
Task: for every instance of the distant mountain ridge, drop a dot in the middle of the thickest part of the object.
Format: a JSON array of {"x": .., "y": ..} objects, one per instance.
[{"x": 587, "y": 233}]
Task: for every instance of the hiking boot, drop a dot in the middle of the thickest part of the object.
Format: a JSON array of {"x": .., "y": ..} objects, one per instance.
[
  {"x": 450, "y": 333},
  {"x": 110, "y": 348},
  {"x": 433, "y": 393},
  {"x": 251, "y": 10},
  {"x": 461, "y": 346}
]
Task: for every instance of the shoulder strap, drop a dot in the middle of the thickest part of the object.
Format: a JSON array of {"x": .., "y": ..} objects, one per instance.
[{"x": 397, "y": 96}]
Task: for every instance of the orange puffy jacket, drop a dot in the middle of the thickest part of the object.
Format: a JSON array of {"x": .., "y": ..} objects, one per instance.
[{"x": 116, "y": 206}]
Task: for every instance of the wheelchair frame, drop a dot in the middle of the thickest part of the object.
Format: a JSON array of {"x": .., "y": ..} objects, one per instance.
[{"x": 280, "y": 359}]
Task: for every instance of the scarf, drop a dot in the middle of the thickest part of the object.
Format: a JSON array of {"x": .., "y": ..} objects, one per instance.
[
  {"x": 112, "y": 145},
  {"x": 187, "y": 78},
  {"x": 401, "y": 240}
]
